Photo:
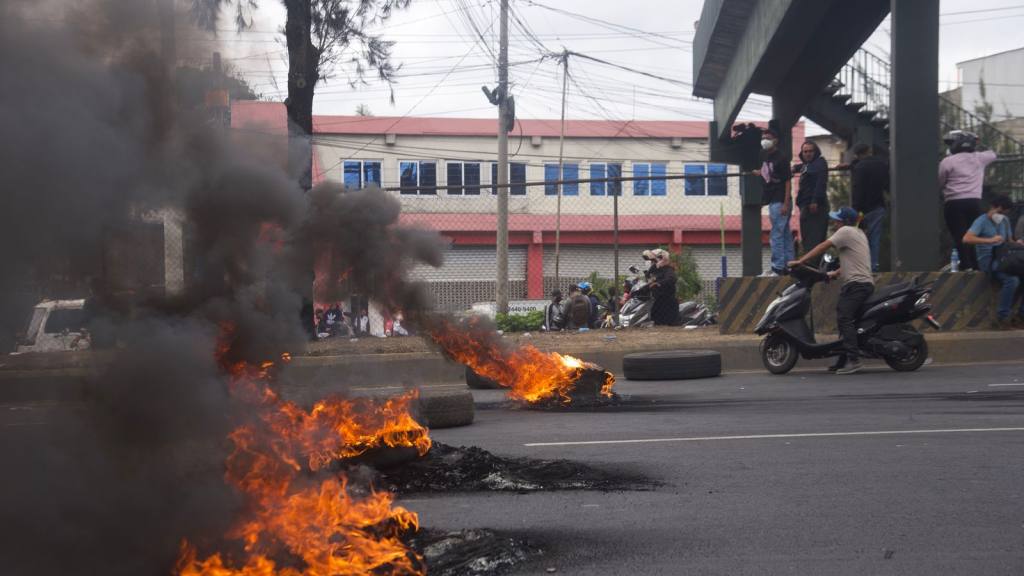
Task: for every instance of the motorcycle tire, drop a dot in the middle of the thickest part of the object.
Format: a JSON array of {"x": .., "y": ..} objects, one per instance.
[
  {"x": 778, "y": 354},
  {"x": 672, "y": 365},
  {"x": 478, "y": 382},
  {"x": 912, "y": 362}
]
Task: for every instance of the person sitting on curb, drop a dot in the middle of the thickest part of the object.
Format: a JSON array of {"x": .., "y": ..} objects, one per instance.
[
  {"x": 988, "y": 232},
  {"x": 855, "y": 274}
]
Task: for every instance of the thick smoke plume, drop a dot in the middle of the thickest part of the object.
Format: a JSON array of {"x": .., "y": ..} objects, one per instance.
[{"x": 91, "y": 139}]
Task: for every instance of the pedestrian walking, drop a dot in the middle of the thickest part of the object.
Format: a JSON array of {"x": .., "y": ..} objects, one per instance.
[
  {"x": 869, "y": 176},
  {"x": 961, "y": 176},
  {"x": 812, "y": 197},
  {"x": 777, "y": 195}
]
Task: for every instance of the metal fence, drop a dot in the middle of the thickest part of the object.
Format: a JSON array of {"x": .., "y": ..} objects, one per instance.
[{"x": 575, "y": 225}]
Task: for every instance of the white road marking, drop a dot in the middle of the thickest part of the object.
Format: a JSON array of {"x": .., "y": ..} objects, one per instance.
[
  {"x": 774, "y": 436},
  {"x": 998, "y": 385}
]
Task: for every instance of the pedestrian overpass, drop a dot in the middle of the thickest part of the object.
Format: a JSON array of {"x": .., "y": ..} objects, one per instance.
[{"x": 796, "y": 52}]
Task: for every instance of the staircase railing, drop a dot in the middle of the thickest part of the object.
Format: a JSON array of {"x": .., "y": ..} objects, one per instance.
[{"x": 865, "y": 79}]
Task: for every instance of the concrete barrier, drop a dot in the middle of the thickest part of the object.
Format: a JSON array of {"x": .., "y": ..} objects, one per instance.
[{"x": 960, "y": 301}]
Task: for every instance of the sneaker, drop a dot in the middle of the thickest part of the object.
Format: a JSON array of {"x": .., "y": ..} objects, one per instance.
[
  {"x": 852, "y": 367},
  {"x": 769, "y": 274},
  {"x": 840, "y": 362}
]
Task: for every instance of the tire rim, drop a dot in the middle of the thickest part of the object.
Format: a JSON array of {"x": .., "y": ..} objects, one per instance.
[
  {"x": 912, "y": 357},
  {"x": 777, "y": 352}
]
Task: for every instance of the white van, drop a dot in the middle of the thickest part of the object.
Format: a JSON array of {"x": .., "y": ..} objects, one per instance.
[{"x": 56, "y": 325}]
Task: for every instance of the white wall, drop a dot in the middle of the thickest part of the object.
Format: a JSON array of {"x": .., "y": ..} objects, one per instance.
[
  {"x": 333, "y": 150},
  {"x": 1004, "y": 83}
]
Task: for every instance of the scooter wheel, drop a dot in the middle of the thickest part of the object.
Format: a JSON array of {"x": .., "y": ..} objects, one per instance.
[
  {"x": 778, "y": 354},
  {"x": 915, "y": 360}
]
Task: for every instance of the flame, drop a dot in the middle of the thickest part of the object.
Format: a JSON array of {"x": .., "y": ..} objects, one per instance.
[
  {"x": 530, "y": 375},
  {"x": 317, "y": 524}
]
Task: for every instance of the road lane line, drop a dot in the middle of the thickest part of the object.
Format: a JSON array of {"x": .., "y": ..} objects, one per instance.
[
  {"x": 773, "y": 436},
  {"x": 998, "y": 385}
]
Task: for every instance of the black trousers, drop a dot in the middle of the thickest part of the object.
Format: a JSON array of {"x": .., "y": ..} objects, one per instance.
[
  {"x": 813, "y": 229},
  {"x": 960, "y": 214},
  {"x": 851, "y": 299}
]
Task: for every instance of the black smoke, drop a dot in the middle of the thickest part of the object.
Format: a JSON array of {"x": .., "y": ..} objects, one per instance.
[{"x": 91, "y": 139}]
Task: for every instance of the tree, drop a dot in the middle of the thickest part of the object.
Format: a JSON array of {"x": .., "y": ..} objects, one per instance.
[
  {"x": 363, "y": 110},
  {"x": 322, "y": 37}
]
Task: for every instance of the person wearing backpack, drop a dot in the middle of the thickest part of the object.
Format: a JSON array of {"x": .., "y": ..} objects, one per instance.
[
  {"x": 991, "y": 237},
  {"x": 577, "y": 314},
  {"x": 553, "y": 318}
]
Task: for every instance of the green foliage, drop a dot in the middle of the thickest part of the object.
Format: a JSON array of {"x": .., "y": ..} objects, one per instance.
[
  {"x": 602, "y": 286},
  {"x": 531, "y": 321},
  {"x": 839, "y": 190}
]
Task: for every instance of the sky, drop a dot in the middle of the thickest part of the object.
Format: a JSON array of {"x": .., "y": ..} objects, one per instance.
[{"x": 447, "y": 50}]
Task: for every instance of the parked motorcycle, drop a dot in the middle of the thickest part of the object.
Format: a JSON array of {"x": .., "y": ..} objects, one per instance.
[
  {"x": 695, "y": 314},
  {"x": 883, "y": 326},
  {"x": 637, "y": 303}
]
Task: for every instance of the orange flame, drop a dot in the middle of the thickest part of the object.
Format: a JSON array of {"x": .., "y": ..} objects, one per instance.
[
  {"x": 314, "y": 525},
  {"x": 530, "y": 375}
]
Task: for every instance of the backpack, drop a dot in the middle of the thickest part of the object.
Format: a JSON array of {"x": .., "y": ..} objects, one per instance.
[
  {"x": 579, "y": 311},
  {"x": 1010, "y": 259}
]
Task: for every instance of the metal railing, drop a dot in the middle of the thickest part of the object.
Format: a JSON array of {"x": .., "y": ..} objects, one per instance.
[{"x": 865, "y": 79}]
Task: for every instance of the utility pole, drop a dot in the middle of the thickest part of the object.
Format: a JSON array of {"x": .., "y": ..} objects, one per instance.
[
  {"x": 561, "y": 170},
  {"x": 501, "y": 296}
]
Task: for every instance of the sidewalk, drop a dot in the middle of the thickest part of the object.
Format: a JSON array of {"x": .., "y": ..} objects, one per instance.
[{"x": 417, "y": 361}]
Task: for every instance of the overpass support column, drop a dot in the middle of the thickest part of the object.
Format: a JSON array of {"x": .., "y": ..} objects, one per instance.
[{"x": 914, "y": 135}]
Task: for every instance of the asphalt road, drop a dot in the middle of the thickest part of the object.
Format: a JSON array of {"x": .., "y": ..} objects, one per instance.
[
  {"x": 819, "y": 484},
  {"x": 799, "y": 474}
]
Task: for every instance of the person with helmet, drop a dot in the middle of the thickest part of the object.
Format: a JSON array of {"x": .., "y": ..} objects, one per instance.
[
  {"x": 855, "y": 274},
  {"x": 587, "y": 290},
  {"x": 665, "y": 309},
  {"x": 577, "y": 309},
  {"x": 961, "y": 175}
]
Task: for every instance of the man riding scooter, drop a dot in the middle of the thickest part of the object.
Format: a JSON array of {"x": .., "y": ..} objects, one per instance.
[{"x": 855, "y": 274}]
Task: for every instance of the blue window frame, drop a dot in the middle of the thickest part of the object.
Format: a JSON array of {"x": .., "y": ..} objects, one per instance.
[
  {"x": 517, "y": 178},
  {"x": 652, "y": 186},
  {"x": 717, "y": 184},
  {"x": 550, "y": 177},
  {"x": 615, "y": 171},
  {"x": 659, "y": 187},
  {"x": 695, "y": 183},
  {"x": 597, "y": 172},
  {"x": 641, "y": 187},
  {"x": 569, "y": 172},
  {"x": 463, "y": 178},
  {"x": 357, "y": 174},
  {"x": 421, "y": 175}
]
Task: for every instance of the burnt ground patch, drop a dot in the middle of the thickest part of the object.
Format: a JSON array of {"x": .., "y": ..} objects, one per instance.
[
  {"x": 450, "y": 469},
  {"x": 472, "y": 552}
]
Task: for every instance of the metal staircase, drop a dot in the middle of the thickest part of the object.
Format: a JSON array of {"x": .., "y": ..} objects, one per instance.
[{"x": 855, "y": 107}]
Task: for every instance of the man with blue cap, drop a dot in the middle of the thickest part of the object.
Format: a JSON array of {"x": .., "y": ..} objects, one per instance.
[{"x": 855, "y": 274}]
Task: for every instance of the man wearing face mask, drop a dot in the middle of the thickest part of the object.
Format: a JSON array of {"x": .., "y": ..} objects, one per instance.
[
  {"x": 986, "y": 234},
  {"x": 777, "y": 195}
]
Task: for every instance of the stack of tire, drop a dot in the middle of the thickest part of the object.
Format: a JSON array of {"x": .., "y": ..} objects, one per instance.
[{"x": 672, "y": 365}]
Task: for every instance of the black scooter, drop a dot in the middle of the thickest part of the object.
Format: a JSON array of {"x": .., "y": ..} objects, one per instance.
[{"x": 883, "y": 327}]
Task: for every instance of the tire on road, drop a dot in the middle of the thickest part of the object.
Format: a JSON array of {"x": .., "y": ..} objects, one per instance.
[
  {"x": 478, "y": 382},
  {"x": 446, "y": 408},
  {"x": 672, "y": 365}
]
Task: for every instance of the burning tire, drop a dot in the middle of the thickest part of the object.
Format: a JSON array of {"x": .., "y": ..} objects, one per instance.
[
  {"x": 478, "y": 382},
  {"x": 672, "y": 365},
  {"x": 446, "y": 408}
]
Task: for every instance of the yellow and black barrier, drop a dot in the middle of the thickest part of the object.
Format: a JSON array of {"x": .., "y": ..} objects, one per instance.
[{"x": 960, "y": 301}]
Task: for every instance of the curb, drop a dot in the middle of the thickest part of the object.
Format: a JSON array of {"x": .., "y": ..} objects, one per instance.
[{"x": 310, "y": 377}]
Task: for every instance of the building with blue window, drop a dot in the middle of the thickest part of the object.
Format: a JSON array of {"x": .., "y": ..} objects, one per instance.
[{"x": 443, "y": 170}]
